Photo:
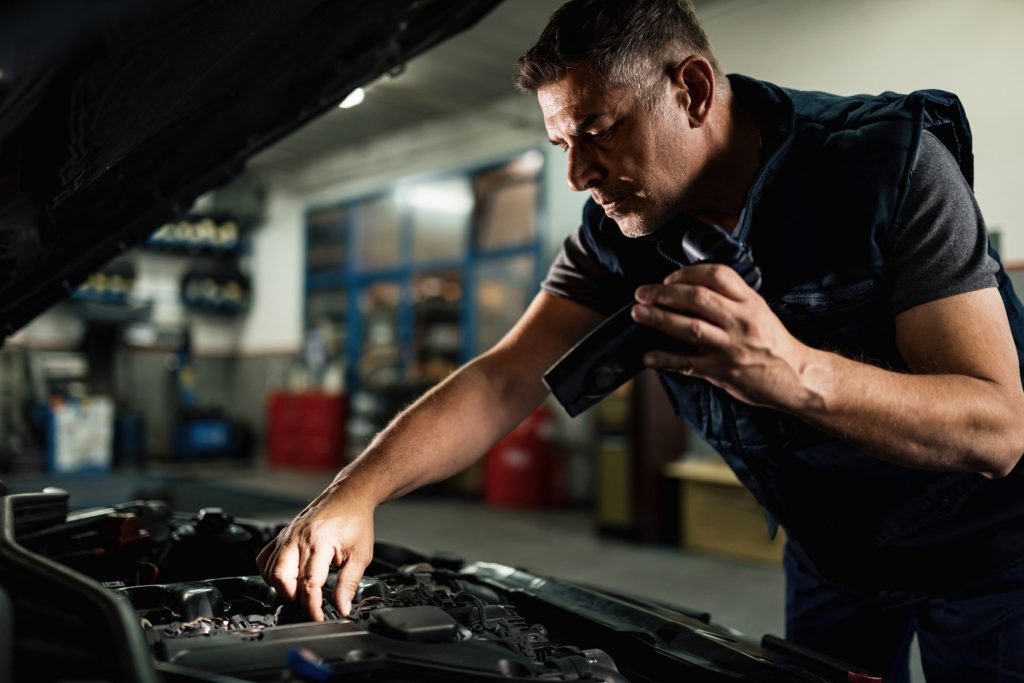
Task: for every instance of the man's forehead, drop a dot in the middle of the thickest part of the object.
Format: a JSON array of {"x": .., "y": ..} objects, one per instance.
[{"x": 575, "y": 98}]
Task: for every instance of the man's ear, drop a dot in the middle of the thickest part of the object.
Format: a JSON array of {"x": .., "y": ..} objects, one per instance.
[{"x": 693, "y": 81}]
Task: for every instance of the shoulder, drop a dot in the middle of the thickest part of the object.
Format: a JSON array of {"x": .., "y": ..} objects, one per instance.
[{"x": 934, "y": 165}]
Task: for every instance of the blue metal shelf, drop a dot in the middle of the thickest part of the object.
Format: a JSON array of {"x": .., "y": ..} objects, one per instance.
[{"x": 352, "y": 281}]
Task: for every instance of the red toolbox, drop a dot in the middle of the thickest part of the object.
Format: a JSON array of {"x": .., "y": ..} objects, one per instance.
[{"x": 306, "y": 430}]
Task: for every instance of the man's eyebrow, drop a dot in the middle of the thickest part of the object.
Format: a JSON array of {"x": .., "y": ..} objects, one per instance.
[
  {"x": 580, "y": 128},
  {"x": 586, "y": 123}
]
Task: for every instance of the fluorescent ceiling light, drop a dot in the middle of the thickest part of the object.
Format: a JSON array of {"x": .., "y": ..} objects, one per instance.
[
  {"x": 444, "y": 198},
  {"x": 353, "y": 98}
]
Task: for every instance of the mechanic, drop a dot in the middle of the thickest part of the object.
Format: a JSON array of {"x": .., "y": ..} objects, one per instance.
[{"x": 869, "y": 396}]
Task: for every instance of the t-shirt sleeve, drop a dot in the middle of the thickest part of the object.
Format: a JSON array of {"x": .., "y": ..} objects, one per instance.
[
  {"x": 938, "y": 247},
  {"x": 578, "y": 275}
]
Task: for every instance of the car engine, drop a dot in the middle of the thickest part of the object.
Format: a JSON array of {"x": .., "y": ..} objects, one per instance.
[{"x": 137, "y": 592}]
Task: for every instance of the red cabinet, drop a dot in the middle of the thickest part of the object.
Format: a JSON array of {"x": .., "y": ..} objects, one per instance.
[
  {"x": 523, "y": 470},
  {"x": 306, "y": 430}
]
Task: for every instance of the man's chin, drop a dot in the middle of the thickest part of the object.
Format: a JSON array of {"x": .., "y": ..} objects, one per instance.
[{"x": 632, "y": 225}]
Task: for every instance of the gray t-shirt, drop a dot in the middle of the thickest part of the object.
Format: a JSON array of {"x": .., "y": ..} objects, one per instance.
[{"x": 938, "y": 247}]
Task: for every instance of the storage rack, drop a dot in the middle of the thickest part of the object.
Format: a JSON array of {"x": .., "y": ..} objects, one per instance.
[{"x": 338, "y": 235}]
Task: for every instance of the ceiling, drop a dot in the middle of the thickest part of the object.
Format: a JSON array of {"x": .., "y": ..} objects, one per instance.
[{"x": 464, "y": 73}]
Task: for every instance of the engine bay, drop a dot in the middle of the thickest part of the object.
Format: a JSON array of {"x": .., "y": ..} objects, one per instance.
[{"x": 139, "y": 592}]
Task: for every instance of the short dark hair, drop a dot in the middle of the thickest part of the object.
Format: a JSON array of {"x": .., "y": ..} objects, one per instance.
[{"x": 624, "y": 42}]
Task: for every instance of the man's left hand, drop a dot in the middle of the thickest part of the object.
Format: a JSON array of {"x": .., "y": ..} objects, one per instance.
[{"x": 741, "y": 345}]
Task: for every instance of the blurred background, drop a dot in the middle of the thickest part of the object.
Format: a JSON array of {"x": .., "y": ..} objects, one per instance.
[{"x": 256, "y": 344}]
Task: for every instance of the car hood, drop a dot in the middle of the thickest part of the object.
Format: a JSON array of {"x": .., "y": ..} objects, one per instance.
[{"x": 116, "y": 115}]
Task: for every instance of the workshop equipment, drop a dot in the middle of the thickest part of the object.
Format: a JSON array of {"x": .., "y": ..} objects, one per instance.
[{"x": 523, "y": 470}]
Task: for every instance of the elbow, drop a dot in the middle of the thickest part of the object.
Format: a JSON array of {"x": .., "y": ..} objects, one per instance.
[
  {"x": 1003, "y": 461},
  {"x": 1000, "y": 468},
  {"x": 1007, "y": 439}
]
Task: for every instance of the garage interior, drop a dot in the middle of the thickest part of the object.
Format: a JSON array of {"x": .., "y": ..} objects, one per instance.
[{"x": 253, "y": 346}]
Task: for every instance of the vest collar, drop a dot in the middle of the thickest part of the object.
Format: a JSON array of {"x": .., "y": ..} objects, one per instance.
[{"x": 774, "y": 110}]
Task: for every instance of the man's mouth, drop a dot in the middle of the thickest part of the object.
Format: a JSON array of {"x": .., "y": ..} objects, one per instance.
[{"x": 610, "y": 205}]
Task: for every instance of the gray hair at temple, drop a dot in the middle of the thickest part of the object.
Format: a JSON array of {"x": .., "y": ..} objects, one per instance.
[{"x": 624, "y": 42}]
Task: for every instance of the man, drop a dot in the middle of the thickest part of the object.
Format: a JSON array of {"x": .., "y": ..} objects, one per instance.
[{"x": 869, "y": 396}]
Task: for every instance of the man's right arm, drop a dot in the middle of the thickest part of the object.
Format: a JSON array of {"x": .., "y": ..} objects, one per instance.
[{"x": 441, "y": 434}]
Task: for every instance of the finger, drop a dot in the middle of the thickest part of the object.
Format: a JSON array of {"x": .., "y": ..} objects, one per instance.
[
  {"x": 716, "y": 276},
  {"x": 263, "y": 559},
  {"x": 312, "y": 579},
  {"x": 284, "y": 569},
  {"x": 348, "y": 580},
  {"x": 697, "y": 299},
  {"x": 662, "y": 360},
  {"x": 703, "y": 365},
  {"x": 693, "y": 331},
  {"x": 339, "y": 561},
  {"x": 272, "y": 550}
]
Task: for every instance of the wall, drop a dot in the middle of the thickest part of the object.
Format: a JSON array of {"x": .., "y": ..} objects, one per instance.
[
  {"x": 236, "y": 384},
  {"x": 57, "y": 328},
  {"x": 274, "y": 324},
  {"x": 974, "y": 49}
]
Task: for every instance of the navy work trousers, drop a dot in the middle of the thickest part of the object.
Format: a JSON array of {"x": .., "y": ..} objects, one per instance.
[{"x": 973, "y": 636}]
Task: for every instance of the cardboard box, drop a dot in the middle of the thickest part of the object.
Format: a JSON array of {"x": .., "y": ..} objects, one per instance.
[
  {"x": 719, "y": 515},
  {"x": 614, "y": 483}
]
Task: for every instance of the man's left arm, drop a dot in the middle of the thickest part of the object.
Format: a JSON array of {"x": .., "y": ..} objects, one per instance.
[{"x": 961, "y": 409}]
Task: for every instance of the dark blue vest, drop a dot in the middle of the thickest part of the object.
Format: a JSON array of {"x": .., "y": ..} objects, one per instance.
[{"x": 815, "y": 217}]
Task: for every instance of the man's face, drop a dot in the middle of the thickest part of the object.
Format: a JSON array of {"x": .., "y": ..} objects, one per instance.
[{"x": 634, "y": 159}]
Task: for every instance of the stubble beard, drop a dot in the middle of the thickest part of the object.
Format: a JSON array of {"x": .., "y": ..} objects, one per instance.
[
  {"x": 641, "y": 223},
  {"x": 634, "y": 225}
]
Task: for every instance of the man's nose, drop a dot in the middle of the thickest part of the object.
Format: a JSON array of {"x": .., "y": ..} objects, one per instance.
[{"x": 584, "y": 170}]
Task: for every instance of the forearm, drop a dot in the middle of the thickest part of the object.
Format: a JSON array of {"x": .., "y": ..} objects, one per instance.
[
  {"x": 443, "y": 432},
  {"x": 931, "y": 421}
]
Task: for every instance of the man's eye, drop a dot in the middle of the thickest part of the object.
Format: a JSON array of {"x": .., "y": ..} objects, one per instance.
[{"x": 602, "y": 134}]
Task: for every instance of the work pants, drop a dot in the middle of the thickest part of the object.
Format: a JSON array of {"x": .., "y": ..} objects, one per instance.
[{"x": 975, "y": 635}]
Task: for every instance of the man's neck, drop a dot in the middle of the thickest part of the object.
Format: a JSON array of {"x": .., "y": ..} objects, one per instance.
[{"x": 731, "y": 167}]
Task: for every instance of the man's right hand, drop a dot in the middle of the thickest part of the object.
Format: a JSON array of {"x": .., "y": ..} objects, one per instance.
[{"x": 331, "y": 530}]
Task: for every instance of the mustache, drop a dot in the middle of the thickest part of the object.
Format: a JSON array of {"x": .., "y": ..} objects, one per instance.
[{"x": 610, "y": 193}]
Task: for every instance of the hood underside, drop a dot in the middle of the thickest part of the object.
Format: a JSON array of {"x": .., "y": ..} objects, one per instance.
[{"x": 116, "y": 115}]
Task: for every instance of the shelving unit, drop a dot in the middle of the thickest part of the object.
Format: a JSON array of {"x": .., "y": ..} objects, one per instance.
[
  {"x": 412, "y": 281},
  {"x": 215, "y": 284}
]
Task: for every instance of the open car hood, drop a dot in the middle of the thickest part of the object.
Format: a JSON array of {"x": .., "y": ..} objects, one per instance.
[{"x": 116, "y": 115}]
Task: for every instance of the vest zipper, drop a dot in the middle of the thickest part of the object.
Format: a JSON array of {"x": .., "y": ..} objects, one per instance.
[
  {"x": 669, "y": 257},
  {"x": 850, "y": 295}
]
